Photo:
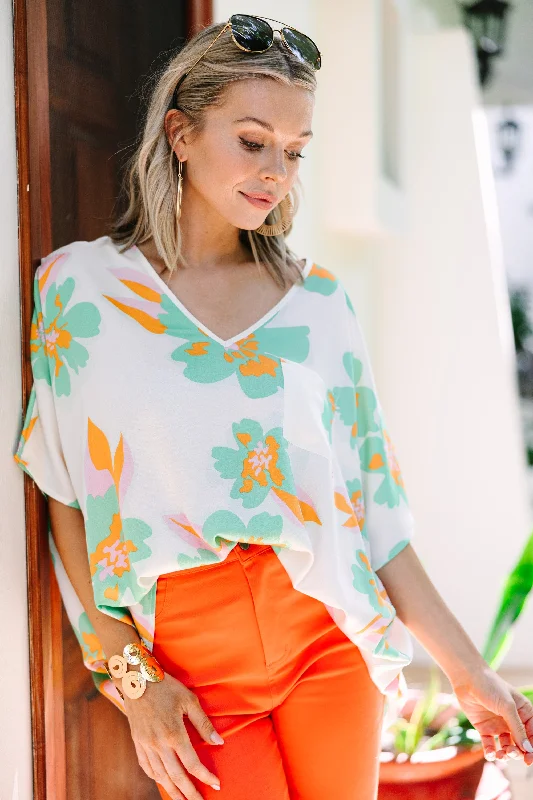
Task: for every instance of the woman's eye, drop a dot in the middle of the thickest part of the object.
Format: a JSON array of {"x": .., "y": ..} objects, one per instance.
[
  {"x": 251, "y": 145},
  {"x": 255, "y": 146}
]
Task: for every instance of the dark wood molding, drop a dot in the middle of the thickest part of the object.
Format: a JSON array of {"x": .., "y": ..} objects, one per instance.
[
  {"x": 35, "y": 240},
  {"x": 44, "y": 602},
  {"x": 200, "y": 15}
]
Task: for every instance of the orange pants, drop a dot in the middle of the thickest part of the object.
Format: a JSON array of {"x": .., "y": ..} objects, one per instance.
[{"x": 286, "y": 689}]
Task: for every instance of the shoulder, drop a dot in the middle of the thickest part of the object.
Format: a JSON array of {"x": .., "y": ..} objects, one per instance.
[
  {"x": 325, "y": 282},
  {"x": 69, "y": 262}
]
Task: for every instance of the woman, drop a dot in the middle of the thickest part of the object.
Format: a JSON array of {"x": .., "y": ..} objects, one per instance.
[{"x": 231, "y": 533}]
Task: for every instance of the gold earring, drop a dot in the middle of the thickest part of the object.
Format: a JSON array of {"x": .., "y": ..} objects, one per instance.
[
  {"x": 180, "y": 192},
  {"x": 285, "y": 221}
]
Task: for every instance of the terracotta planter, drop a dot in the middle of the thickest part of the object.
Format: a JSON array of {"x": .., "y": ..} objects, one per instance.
[
  {"x": 448, "y": 773},
  {"x": 457, "y": 778}
]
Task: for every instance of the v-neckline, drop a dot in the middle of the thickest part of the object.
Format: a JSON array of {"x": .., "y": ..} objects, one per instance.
[{"x": 148, "y": 268}]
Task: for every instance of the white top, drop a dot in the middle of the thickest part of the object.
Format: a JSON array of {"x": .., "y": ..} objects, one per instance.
[{"x": 176, "y": 445}]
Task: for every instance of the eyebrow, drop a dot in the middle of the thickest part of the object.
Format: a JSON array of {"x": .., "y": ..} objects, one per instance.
[{"x": 268, "y": 126}]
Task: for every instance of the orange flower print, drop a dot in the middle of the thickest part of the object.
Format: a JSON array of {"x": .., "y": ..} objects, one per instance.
[
  {"x": 111, "y": 557},
  {"x": 261, "y": 465},
  {"x": 113, "y": 541}
]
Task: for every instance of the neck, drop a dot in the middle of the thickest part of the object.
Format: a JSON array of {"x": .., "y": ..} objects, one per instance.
[{"x": 208, "y": 240}]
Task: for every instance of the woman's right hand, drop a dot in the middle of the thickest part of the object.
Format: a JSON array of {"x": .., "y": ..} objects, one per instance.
[{"x": 161, "y": 741}]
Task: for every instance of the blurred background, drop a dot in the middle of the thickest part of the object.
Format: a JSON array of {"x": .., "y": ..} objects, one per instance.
[{"x": 418, "y": 193}]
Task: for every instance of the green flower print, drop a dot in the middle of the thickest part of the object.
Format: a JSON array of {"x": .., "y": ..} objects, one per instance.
[
  {"x": 365, "y": 581},
  {"x": 349, "y": 302},
  {"x": 321, "y": 280},
  {"x": 261, "y": 529},
  {"x": 114, "y": 542},
  {"x": 377, "y": 456},
  {"x": 88, "y": 641},
  {"x": 255, "y": 359},
  {"x": 397, "y": 549},
  {"x": 110, "y": 557},
  {"x": 54, "y": 334},
  {"x": 328, "y": 413},
  {"x": 359, "y": 415},
  {"x": 260, "y": 462},
  {"x": 260, "y": 465}
]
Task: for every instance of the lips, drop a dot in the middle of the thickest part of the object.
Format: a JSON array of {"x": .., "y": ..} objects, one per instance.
[{"x": 259, "y": 200}]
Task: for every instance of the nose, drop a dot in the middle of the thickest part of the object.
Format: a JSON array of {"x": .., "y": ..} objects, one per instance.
[{"x": 274, "y": 166}]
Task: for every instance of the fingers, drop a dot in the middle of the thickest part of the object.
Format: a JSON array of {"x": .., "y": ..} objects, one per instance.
[
  {"x": 143, "y": 760},
  {"x": 489, "y": 747},
  {"x": 202, "y": 723},
  {"x": 507, "y": 746},
  {"x": 190, "y": 760},
  {"x": 524, "y": 710},
  {"x": 162, "y": 777},
  {"x": 178, "y": 776}
]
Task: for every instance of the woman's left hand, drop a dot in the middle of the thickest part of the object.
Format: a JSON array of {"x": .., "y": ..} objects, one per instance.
[{"x": 495, "y": 708}]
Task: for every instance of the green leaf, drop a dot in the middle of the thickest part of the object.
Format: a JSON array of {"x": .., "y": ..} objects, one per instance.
[
  {"x": 514, "y": 596},
  {"x": 423, "y": 713}
]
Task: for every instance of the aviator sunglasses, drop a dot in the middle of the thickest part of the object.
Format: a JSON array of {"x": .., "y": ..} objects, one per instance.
[{"x": 255, "y": 35}]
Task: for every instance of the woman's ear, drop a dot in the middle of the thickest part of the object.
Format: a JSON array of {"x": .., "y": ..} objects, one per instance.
[{"x": 175, "y": 120}]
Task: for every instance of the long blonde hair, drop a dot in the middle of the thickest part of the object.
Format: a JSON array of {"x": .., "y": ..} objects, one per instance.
[{"x": 150, "y": 182}]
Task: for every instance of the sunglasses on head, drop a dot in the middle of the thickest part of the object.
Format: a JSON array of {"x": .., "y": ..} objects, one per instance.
[{"x": 255, "y": 35}]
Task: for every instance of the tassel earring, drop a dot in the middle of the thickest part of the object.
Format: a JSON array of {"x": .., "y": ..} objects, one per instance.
[{"x": 287, "y": 213}]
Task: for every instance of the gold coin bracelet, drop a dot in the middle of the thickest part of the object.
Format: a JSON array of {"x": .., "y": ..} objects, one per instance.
[{"x": 134, "y": 681}]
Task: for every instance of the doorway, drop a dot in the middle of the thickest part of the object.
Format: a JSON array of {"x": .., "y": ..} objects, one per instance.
[{"x": 81, "y": 67}]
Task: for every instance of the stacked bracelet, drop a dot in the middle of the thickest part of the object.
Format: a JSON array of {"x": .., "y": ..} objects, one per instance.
[{"x": 134, "y": 681}]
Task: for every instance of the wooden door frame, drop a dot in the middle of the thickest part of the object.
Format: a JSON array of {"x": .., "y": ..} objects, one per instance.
[{"x": 35, "y": 241}]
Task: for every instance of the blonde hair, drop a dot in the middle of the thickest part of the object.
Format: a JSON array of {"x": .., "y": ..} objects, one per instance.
[{"x": 150, "y": 182}]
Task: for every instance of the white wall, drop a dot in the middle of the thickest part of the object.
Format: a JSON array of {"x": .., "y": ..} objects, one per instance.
[
  {"x": 433, "y": 305},
  {"x": 446, "y": 355},
  {"x": 514, "y": 191},
  {"x": 15, "y": 736}
]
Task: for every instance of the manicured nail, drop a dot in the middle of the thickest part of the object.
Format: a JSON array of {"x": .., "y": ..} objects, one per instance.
[
  {"x": 217, "y": 738},
  {"x": 214, "y": 786},
  {"x": 491, "y": 756},
  {"x": 527, "y": 746},
  {"x": 514, "y": 753}
]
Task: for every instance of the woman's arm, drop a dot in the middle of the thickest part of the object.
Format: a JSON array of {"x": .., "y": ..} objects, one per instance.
[
  {"x": 68, "y": 530},
  {"x": 420, "y": 606},
  {"x": 161, "y": 741},
  {"x": 492, "y": 705}
]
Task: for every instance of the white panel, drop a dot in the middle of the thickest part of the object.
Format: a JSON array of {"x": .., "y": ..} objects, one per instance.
[{"x": 15, "y": 736}]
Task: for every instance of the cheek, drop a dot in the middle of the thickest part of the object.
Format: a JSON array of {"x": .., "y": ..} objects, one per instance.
[{"x": 223, "y": 168}]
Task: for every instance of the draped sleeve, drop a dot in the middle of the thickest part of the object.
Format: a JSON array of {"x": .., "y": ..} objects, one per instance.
[
  {"x": 388, "y": 521},
  {"x": 39, "y": 451}
]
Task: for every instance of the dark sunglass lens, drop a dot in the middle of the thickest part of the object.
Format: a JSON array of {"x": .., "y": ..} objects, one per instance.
[
  {"x": 302, "y": 46},
  {"x": 251, "y": 33}
]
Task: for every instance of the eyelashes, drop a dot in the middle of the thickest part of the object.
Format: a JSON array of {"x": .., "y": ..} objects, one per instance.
[{"x": 256, "y": 147}]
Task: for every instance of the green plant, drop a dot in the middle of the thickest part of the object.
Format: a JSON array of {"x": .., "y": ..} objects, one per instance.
[
  {"x": 419, "y": 732},
  {"x": 519, "y": 301}
]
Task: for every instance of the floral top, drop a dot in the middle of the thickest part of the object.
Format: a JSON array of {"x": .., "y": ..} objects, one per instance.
[{"x": 176, "y": 445}]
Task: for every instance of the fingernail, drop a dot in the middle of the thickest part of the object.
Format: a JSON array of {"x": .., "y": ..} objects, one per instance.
[
  {"x": 217, "y": 739},
  {"x": 491, "y": 756},
  {"x": 514, "y": 754},
  {"x": 527, "y": 746},
  {"x": 214, "y": 786}
]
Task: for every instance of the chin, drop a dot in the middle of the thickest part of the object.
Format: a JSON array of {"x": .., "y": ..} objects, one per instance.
[{"x": 247, "y": 225}]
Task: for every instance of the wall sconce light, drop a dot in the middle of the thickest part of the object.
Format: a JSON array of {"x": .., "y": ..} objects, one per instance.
[
  {"x": 509, "y": 136},
  {"x": 487, "y": 22}
]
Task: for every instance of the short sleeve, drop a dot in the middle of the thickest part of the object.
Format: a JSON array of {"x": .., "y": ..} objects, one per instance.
[
  {"x": 389, "y": 523},
  {"x": 39, "y": 452}
]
